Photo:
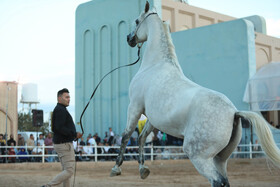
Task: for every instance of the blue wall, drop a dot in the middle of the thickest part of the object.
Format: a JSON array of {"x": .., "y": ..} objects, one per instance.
[
  {"x": 101, "y": 30},
  {"x": 220, "y": 57}
]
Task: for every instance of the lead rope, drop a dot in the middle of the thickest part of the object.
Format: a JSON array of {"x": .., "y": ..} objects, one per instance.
[{"x": 138, "y": 53}]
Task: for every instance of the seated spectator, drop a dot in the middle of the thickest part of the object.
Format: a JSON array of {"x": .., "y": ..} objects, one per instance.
[
  {"x": 100, "y": 150},
  {"x": 156, "y": 141},
  {"x": 162, "y": 138},
  {"x": 22, "y": 152},
  {"x": 149, "y": 141},
  {"x": 118, "y": 140},
  {"x": 107, "y": 150},
  {"x": 106, "y": 137},
  {"x": 92, "y": 143},
  {"x": 256, "y": 148},
  {"x": 130, "y": 150},
  {"x": 37, "y": 151},
  {"x": 88, "y": 150},
  {"x": 55, "y": 157},
  {"x": 82, "y": 143},
  {"x": 114, "y": 151},
  {"x": 134, "y": 137},
  {"x": 75, "y": 145},
  {"x": 78, "y": 148},
  {"x": 174, "y": 141},
  {"x": 11, "y": 151}
]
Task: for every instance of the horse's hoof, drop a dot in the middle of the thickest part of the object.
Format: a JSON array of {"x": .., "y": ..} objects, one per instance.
[
  {"x": 112, "y": 174},
  {"x": 115, "y": 171},
  {"x": 144, "y": 173}
]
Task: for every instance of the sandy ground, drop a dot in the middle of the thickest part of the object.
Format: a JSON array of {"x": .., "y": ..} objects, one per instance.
[{"x": 241, "y": 172}]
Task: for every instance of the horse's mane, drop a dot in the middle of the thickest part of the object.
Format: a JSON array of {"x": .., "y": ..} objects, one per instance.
[{"x": 171, "y": 49}]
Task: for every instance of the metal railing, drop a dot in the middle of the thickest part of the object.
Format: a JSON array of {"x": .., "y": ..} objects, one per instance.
[{"x": 151, "y": 152}]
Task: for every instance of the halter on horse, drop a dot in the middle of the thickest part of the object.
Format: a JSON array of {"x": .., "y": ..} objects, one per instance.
[{"x": 207, "y": 120}]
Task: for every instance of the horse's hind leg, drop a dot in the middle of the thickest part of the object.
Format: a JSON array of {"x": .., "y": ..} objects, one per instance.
[
  {"x": 207, "y": 168},
  {"x": 220, "y": 160},
  {"x": 214, "y": 169},
  {"x": 201, "y": 153},
  {"x": 133, "y": 115},
  {"x": 144, "y": 170}
]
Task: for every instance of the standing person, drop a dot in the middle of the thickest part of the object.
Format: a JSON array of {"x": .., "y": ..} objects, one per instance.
[
  {"x": 111, "y": 132},
  {"x": 30, "y": 143},
  {"x": 2, "y": 143},
  {"x": 48, "y": 142},
  {"x": 2, "y": 140},
  {"x": 41, "y": 140},
  {"x": 11, "y": 140},
  {"x": 82, "y": 143},
  {"x": 92, "y": 143},
  {"x": 111, "y": 136},
  {"x": 106, "y": 137},
  {"x": 64, "y": 131},
  {"x": 97, "y": 138},
  {"x": 21, "y": 141}
]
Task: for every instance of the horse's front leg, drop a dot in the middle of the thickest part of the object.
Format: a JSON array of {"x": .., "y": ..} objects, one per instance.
[
  {"x": 144, "y": 170},
  {"x": 133, "y": 115}
]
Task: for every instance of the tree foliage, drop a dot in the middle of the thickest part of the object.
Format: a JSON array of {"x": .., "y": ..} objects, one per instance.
[{"x": 25, "y": 124}]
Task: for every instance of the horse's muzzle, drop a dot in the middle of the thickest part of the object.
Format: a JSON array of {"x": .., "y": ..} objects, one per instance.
[{"x": 131, "y": 40}]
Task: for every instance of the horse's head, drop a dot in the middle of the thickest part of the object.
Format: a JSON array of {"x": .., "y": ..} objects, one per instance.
[{"x": 139, "y": 34}]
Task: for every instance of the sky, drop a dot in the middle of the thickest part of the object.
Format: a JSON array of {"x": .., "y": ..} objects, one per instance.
[{"x": 37, "y": 40}]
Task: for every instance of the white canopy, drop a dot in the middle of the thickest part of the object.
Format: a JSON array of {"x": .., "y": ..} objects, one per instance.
[{"x": 263, "y": 89}]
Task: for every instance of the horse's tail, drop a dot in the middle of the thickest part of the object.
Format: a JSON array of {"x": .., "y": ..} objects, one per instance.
[{"x": 264, "y": 134}]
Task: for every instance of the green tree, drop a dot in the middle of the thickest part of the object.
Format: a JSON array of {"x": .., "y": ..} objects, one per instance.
[{"x": 25, "y": 124}]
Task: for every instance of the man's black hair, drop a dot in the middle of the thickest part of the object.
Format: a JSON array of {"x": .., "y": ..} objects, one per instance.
[{"x": 60, "y": 92}]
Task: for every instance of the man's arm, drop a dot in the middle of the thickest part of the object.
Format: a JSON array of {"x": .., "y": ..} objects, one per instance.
[{"x": 79, "y": 135}]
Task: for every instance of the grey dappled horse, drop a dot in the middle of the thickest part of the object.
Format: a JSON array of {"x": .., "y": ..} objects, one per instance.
[{"x": 207, "y": 120}]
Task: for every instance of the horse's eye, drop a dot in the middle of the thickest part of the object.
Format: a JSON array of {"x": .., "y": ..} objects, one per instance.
[{"x": 137, "y": 22}]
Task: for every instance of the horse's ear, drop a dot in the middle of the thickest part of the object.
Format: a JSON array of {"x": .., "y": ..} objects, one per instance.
[{"x": 147, "y": 7}]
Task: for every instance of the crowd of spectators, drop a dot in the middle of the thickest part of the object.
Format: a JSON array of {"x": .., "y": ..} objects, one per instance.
[
  {"x": 19, "y": 151},
  {"x": 109, "y": 145},
  {"x": 84, "y": 149}
]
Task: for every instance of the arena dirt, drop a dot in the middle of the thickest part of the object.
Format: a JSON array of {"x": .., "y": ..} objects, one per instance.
[{"x": 241, "y": 172}]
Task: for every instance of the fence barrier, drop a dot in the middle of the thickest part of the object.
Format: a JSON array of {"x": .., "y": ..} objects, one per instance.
[{"x": 151, "y": 152}]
